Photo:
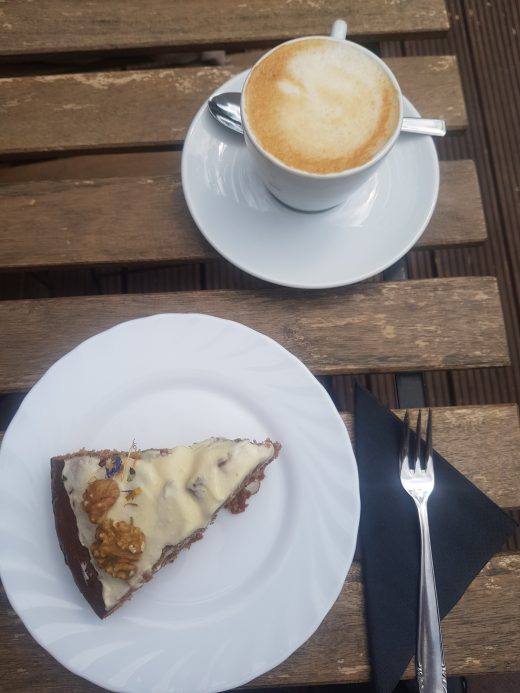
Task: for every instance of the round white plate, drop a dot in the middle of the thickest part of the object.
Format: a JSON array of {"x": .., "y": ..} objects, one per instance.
[
  {"x": 258, "y": 585},
  {"x": 250, "y": 228}
]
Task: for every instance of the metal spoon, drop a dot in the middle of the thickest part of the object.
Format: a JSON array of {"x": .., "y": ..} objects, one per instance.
[{"x": 226, "y": 109}]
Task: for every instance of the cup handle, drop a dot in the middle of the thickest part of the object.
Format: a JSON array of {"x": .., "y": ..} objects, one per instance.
[{"x": 339, "y": 30}]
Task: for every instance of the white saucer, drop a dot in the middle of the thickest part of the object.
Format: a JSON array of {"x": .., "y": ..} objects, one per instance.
[{"x": 258, "y": 234}]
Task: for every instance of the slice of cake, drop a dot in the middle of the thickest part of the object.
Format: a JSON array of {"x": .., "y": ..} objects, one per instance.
[{"x": 121, "y": 516}]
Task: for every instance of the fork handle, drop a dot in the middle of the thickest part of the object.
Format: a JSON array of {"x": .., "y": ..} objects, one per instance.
[{"x": 430, "y": 667}]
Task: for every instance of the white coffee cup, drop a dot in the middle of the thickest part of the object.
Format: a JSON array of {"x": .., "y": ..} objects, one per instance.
[{"x": 306, "y": 191}]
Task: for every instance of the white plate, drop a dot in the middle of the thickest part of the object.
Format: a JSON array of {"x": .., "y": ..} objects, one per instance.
[
  {"x": 251, "y": 229},
  {"x": 258, "y": 585}
]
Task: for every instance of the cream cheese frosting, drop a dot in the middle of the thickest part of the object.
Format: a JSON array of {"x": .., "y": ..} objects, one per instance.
[{"x": 180, "y": 489}]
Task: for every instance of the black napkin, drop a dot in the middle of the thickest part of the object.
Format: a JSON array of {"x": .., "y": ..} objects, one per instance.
[{"x": 466, "y": 527}]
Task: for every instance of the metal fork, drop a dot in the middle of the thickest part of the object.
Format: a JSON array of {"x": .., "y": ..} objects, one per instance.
[{"x": 418, "y": 480}]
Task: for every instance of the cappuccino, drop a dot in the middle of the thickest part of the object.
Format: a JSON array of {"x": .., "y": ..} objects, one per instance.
[{"x": 320, "y": 106}]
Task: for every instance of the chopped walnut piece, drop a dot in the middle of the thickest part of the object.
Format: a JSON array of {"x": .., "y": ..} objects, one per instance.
[
  {"x": 100, "y": 495},
  {"x": 117, "y": 548}
]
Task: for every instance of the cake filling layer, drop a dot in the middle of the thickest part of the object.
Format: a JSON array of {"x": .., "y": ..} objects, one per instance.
[{"x": 167, "y": 494}]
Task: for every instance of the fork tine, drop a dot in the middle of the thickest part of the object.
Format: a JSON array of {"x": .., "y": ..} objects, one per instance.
[
  {"x": 405, "y": 440},
  {"x": 417, "y": 456},
  {"x": 429, "y": 438}
]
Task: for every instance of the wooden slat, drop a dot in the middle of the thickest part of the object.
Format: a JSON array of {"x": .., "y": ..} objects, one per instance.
[
  {"x": 104, "y": 110},
  {"x": 153, "y": 108},
  {"x": 111, "y": 220},
  {"x": 482, "y": 442},
  {"x": 413, "y": 325},
  {"x": 120, "y": 25},
  {"x": 436, "y": 91},
  {"x": 145, "y": 219},
  {"x": 481, "y": 635}
]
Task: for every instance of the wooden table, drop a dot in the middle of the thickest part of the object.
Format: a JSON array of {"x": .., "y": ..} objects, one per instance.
[{"x": 105, "y": 85}]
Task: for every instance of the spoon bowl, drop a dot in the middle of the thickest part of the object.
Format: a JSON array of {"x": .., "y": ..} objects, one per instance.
[{"x": 225, "y": 108}]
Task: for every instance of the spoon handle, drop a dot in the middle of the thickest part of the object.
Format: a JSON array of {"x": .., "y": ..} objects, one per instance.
[{"x": 424, "y": 126}]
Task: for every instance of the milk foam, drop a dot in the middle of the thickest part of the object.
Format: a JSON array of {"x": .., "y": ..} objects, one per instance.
[{"x": 321, "y": 106}]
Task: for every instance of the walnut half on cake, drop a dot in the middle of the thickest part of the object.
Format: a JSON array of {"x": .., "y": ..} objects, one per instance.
[{"x": 121, "y": 516}]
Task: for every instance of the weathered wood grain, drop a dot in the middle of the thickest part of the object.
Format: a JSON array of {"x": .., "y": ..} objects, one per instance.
[
  {"x": 157, "y": 25},
  {"x": 438, "y": 92},
  {"x": 108, "y": 220},
  {"x": 103, "y": 110},
  {"x": 414, "y": 325},
  {"x": 145, "y": 219},
  {"x": 153, "y": 108},
  {"x": 482, "y": 442},
  {"x": 481, "y": 635}
]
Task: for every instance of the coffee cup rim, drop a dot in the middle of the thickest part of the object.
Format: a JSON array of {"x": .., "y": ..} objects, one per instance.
[{"x": 336, "y": 174}]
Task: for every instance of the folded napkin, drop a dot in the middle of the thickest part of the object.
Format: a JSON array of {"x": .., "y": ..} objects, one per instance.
[{"x": 466, "y": 527}]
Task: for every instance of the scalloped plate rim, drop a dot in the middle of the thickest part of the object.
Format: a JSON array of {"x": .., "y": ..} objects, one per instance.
[{"x": 294, "y": 361}]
